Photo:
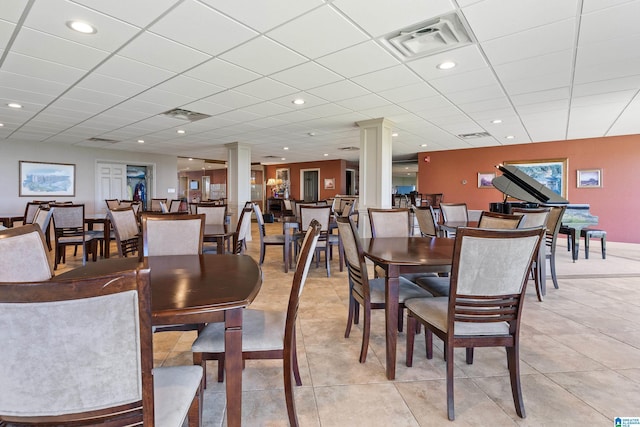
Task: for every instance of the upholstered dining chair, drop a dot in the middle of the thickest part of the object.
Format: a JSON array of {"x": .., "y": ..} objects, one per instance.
[
  {"x": 24, "y": 256},
  {"x": 488, "y": 282},
  {"x": 43, "y": 219},
  {"x": 239, "y": 236},
  {"x": 68, "y": 224},
  {"x": 426, "y": 220},
  {"x": 155, "y": 204},
  {"x": 535, "y": 217},
  {"x": 390, "y": 222},
  {"x": 268, "y": 239},
  {"x": 172, "y": 234},
  {"x": 112, "y": 203},
  {"x": 126, "y": 230},
  {"x": 90, "y": 356},
  {"x": 30, "y": 212},
  {"x": 266, "y": 334},
  {"x": 174, "y": 205},
  {"x": 365, "y": 292},
  {"x": 497, "y": 220},
  {"x": 554, "y": 221},
  {"x": 322, "y": 214},
  {"x": 214, "y": 214}
]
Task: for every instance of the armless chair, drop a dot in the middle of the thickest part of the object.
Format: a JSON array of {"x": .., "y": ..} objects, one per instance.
[
  {"x": 426, "y": 221},
  {"x": 43, "y": 219},
  {"x": 488, "y": 282},
  {"x": 266, "y": 334},
  {"x": 554, "y": 221},
  {"x": 155, "y": 205},
  {"x": 126, "y": 230},
  {"x": 90, "y": 356},
  {"x": 365, "y": 292},
  {"x": 214, "y": 214},
  {"x": 322, "y": 214},
  {"x": 172, "y": 234},
  {"x": 242, "y": 230},
  {"x": 112, "y": 203},
  {"x": 271, "y": 240},
  {"x": 535, "y": 217},
  {"x": 24, "y": 256},
  {"x": 390, "y": 222},
  {"x": 68, "y": 224},
  {"x": 499, "y": 221},
  {"x": 174, "y": 206}
]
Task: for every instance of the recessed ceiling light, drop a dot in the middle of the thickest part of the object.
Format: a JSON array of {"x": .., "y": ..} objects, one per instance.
[
  {"x": 1, "y": 124},
  {"x": 447, "y": 65},
  {"x": 311, "y": 134},
  {"x": 509, "y": 137},
  {"x": 298, "y": 101},
  {"x": 14, "y": 105},
  {"x": 394, "y": 134},
  {"x": 285, "y": 148},
  {"x": 406, "y": 167},
  {"x": 326, "y": 154},
  {"x": 423, "y": 145},
  {"x": 81, "y": 27},
  {"x": 190, "y": 158},
  {"x": 181, "y": 131},
  {"x": 496, "y": 121},
  {"x": 141, "y": 141},
  {"x": 282, "y": 158}
]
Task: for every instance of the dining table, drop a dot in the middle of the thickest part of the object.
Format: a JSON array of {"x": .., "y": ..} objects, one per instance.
[
  {"x": 402, "y": 255},
  {"x": 198, "y": 289},
  {"x": 7, "y": 219}
]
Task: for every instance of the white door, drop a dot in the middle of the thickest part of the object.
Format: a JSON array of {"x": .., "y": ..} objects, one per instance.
[{"x": 112, "y": 184}]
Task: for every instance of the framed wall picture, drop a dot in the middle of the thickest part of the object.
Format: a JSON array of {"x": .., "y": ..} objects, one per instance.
[
  {"x": 550, "y": 172},
  {"x": 329, "y": 183},
  {"x": 40, "y": 179},
  {"x": 485, "y": 178},
  {"x": 589, "y": 178}
]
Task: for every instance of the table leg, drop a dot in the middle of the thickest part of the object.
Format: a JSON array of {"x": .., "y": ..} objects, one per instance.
[
  {"x": 220, "y": 245},
  {"x": 107, "y": 238},
  {"x": 391, "y": 318},
  {"x": 287, "y": 249},
  {"x": 233, "y": 365}
]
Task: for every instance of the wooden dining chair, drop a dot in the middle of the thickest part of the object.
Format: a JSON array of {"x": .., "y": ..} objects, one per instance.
[
  {"x": 390, "y": 222},
  {"x": 126, "y": 230},
  {"x": 266, "y": 334},
  {"x": 497, "y": 220},
  {"x": 174, "y": 205},
  {"x": 69, "y": 230},
  {"x": 156, "y": 206},
  {"x": 322, "y": 214},
  {"x": 214, "y": 214},
  {"x": 112, "y": 203},
  {"x": 426, "y": 220},
  {"x": 365, "y": 292},
  {"x": 24, "y": 256},
  {"x": 172, "y": 234},
  {"x": 269, "y": 239},
  {"x": 488, "y": 282},
  {"x": 536, "y": 217},
  {"x": 90, "y": 356}
]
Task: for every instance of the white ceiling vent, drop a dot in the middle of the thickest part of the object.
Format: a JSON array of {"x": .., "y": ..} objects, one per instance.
[
  {"x": 103, "y": 140},
  {"x": 474, "y": 135},
  {"x": 182, "y": 114},
  {"x": 349, "y": 148},
  {"x": 427, "y": 38}
]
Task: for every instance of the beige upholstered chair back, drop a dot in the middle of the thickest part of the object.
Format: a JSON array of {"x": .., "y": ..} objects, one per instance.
[
  {"x": 426, "y": 220},
  {"x": 155, "y": 204},
  {"x": 24, "y": 256},
  {"x": 322, "y": 214},
  {"x": 454, "y": 212},
  {"x": 389, "y": 222},
  {"x": 347, "y": 209},
  {"x": 242, "y": 230},
  {"x": 300, "y": 276},
  {"x": 137, "y": 207},
  {"x": 174, "y": 206},
  {"x": 172, "y": 234},
  {"x": 30, "y": 212},
  {"x": 355, "y": 263},
  {"x": 87, "y": 348},
  {"x": 499, "y": 221},
  {"x": 125, "y": 203},
  {"x": 532, "y": 217},
  {"x": 69, "y": 217},
  {"x": 215, "y": 214},
  {"x": 554, "y": 221},
  {"x": 43, "y": 217},
  {"x": 112, "y": 203},
  {"x": 124, "y": 223}
]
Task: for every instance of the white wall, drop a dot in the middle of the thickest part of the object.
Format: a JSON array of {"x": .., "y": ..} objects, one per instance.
[{"x": 166, "y": 170}]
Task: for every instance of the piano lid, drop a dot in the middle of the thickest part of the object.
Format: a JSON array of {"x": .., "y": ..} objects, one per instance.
[{"x": 517, "y": 184}]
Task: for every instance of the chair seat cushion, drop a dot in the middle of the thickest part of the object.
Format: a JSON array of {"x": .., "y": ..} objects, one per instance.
[
  {"x": 261, "y": 330},
  {"x": 437, "y": 286},
  {"x": 407, "y": 289},
  {"x": 434, "y": 312},
  {"x": 173, "y": 391}
]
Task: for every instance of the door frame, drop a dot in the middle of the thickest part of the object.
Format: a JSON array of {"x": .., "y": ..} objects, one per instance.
[
  {"x": 151, "y": 180},
  {"x": 302, "y": 171}
]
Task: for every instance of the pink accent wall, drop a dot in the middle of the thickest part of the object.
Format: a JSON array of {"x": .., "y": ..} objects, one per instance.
[{"x": 617, "y": 203}]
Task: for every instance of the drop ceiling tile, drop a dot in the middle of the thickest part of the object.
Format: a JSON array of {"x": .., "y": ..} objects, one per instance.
[
  {"x": 140, "y": 12},
  {"x": 556, "y": 94},
  {"x": 222, "y": 73},
  {"x": 557, "y": 63},
  {"x": 537, "y": 41},
  {"x": 612, "y": 98},
  {"x": 136, "y": 105},
  {"x": 379, "y": 18},
  {"x": 608, "y": 52},
  {"x": 205, "y": 107},
  {"x": 55, "y": 49},
  {"x": 161, "y": 97},
  {"x": 26, "y": 97},
  {"x": 611, "y": 85},
  {"x": 338, "y": 91},
  {"x": 267, "y": 109},
  {"x": 265, "y": 88},
  {"x": 467, "y": 58},
  {"x": 515, "y": 16},
  {"x": 309, "y": 99},
  {"x": 592, "y": 121},
  {"x": 233, "y": 99},
  {"x": 101, "y": 83},
  {"x": 620, "y": 21},
  {"x": 303, "y": 33},
  {"x": 560, "y": 104},
  {"x": 408, "y": 93},
  {"x": 162, "y": 53},
  {"x": 326, "y": 110},
  {"x": 190, "y": 87},
  {"x": 487, "y": 104},
  {"x": 363, "y": 102},
  {"x": 264, "y": 15},
  {"x": 97, "y": 97},
  {"x": 200, "y": 27},
  {"x": 589, "y": 6},
  {"x": 476, "y": 94},
  {"x": 307, "y": 76},
  {"x": 626, "y": 123},
  {"x": 263, "y": 56},
  {"x": 361, "y": 59},
  {"x": 12, "y": 10},
  {"x": 387, "y": 111},
  {"x": 6, "y": 31},
  {"x": 50, "y": 17},
  {"x": 387, "y": 79},
  {"x": 536, "y": 84},
  {"x": 466, "y": 81},
  {"x": 127, "y": 69},
  {"x": 40, "y": 69}
]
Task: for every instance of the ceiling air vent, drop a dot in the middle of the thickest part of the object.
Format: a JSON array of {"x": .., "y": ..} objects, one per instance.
[
  {"x": 474, "y": 135},
  {"x": 179, "y": 113},
  {"x": 427, "y": 38},
  {"x": 102, "y": 140},
  {"x": 349, "y": 148}
]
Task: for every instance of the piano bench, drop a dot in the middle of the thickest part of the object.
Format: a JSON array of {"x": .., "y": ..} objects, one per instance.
[{"x": 593, "y": 233}]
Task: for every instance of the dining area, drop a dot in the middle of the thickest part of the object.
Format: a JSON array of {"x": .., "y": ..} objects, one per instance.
[{"x": 332, "y": 378}]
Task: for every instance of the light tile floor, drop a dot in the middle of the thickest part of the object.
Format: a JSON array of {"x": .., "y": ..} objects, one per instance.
[{"x": 580, "y": 356}]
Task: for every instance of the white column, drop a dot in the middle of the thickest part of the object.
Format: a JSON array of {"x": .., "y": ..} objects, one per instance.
[
  {"x": 238, "y": 178},
  {"x": 375, "y": 169}
]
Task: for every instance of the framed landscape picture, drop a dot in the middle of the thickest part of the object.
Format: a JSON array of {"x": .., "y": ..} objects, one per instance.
[
  {"x": 485, "y": 179},
  {"x": 551, "y": 172},
  {"x": 40, "y": 179},
  {"x": 589, "y": 178}
]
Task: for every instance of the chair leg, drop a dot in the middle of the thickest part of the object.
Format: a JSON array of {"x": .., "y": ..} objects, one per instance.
[
  {"x": 366, "y": 331},
  {"x": 400, "y": 319},
  {"x": 194, "y": 415},
  {"x": 288, "y": 388},
  {"x": 294, "y": 363},
  {"x": 428, "y": 339},
  {"x": 450, "y": 407},
  {"x": 513, "y": 362},
  {"x": 552, "y": 264},
  {"x": 221, "y": 368},
  {"x": 352, "y": 304},
  {"x": 198, "y": 360},
  {"x": 262, "y": 250},
  {"x": 537, "y": 277},
  {"x": 469, "y": 355},
  {"x": 411, "y": 336}
]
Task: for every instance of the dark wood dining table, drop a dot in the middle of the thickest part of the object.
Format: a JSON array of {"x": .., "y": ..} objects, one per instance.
[
  {"x": 195, "y": 289},
  {"x": 400, "y": 255},
  {"x": 8, "y": 219}
]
